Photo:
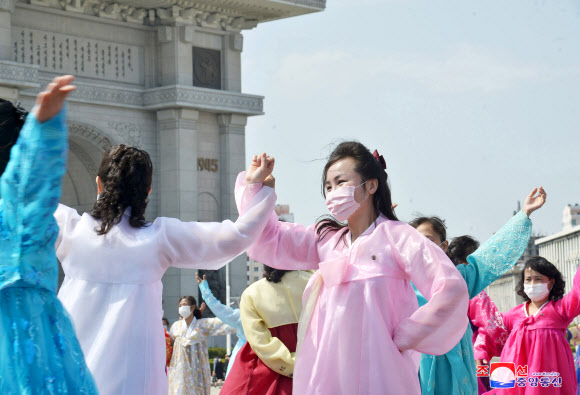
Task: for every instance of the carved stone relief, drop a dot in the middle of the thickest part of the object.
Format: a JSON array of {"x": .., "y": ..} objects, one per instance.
[{"x": 77, "y": 55}]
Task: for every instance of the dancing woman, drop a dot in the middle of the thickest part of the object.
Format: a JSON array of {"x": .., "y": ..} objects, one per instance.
[
  {"x": 39, "y": 351},
  {"x": 360, "y": 303},
  {"x": 113, "y": 260}
]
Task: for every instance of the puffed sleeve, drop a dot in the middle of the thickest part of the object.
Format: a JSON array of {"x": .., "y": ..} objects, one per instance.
[
  {"x": 281, "y": 245},
  {"x": 436, "y": 327},
  {"x": 492, "y": 333},
  {"x": 215, "y": 327},
  {"x": 269, "y": 349},
  {"x": 497, "y": 255},
  {"x": 210, "y": 245},
  {"x": 569, "y": 305},
  {"x": 225, "y": 313},
  {"x": 31, "y": 184}
]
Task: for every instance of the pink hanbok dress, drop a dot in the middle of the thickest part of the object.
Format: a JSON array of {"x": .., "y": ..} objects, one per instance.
[
  {"x": 489, "y": 333},
  {"x": 539, "y": 341},
  {"x": 361, "y": 330}
]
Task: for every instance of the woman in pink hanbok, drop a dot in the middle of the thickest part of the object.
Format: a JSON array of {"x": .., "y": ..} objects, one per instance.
[
  {"x": 360, "y": 303},
  {"x": 538, "y": 332}
]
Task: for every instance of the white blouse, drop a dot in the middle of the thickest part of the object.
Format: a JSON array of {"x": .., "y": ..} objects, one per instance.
[{"x": 112, "y": 287}]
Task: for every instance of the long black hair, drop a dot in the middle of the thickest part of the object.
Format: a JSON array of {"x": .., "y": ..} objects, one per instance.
[
  {"x": 546, "y": 268},
  {"x": 192, "y": 302},
  {"x": 460, "y": 248},
  {"x": 368, "y": 168},
  {"x": 12, "y": 119},
  {"x": 126, "y": 174},
  {"x": 274, "y": 275}
]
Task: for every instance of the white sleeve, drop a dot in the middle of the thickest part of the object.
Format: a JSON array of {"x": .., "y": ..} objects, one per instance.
[{"x": 211, "y": 245}]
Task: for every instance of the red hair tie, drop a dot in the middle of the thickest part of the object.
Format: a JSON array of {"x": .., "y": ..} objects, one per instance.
[{"x": 380, "y": 159}]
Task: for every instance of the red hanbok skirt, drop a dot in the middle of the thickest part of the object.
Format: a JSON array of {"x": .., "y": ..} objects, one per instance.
[{"x": 250, "y": 376}]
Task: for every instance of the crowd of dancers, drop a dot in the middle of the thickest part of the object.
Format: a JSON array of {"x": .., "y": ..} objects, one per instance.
[{"x": 359, "y": 303}]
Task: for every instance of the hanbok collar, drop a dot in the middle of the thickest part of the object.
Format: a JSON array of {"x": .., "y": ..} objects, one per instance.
[
  {"x": 366, "y": 232},
  {"x": 191, "y": 327},
  {"x": 127, "y": 212},
  {"x": 536, "y": 313}
]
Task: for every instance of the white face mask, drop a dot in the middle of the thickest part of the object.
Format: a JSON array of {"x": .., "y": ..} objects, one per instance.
[
  {"x": 536, "y": 292},
  {"x": 185, "y": 311},
  {"x": 341, "y": 202}
]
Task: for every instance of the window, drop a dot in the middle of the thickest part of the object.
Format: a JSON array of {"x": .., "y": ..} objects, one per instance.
[
  {"x": 256, "y": 278},
  {"x": 256, "y": 268}
]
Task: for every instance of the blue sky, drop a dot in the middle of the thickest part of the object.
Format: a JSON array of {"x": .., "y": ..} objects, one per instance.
[{"x": 471, "y": 103}]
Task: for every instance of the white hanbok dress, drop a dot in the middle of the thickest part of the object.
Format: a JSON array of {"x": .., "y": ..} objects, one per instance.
[{"x": 112, "y": 287}]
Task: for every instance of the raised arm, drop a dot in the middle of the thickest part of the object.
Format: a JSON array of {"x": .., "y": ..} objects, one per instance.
[
  {"x": 436, "y": 327},
  {"x": 281, "y": 245},
  {"x": 268, "y": 348},
  {"x": 501, "y": 251},
  {"x": 225, "y": 313},
  {"x": 215, "y": 327},
  {"x": 569, "y": 305},
  {"x": 210, "y": 245},
  {"x": 31, "y": 184}
]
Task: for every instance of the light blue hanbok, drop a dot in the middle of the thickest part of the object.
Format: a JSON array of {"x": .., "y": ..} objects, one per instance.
[
  {"x": 454, "y": 373},
  {"x": 228, "y": 316},
  {"x": 39, "y": 351}
]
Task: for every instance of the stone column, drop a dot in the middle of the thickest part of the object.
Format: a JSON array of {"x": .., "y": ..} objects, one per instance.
[
  {"x": 232, "y": 161},
  {"x": 6, "y": 9},
  {"x": 177, "y": 174},
  {"x": 175, "y": 55}
]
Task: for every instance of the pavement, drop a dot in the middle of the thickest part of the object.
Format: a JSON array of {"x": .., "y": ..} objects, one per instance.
[{"x": 215, "y": 391}]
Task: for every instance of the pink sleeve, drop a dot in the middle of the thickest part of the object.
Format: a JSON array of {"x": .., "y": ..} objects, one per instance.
[
  {"x": 436, "y": 327},
  {"x": 492, "y": 333},
  {"x": 569, "y": 305},
  {"x": 282, "y": 245}
]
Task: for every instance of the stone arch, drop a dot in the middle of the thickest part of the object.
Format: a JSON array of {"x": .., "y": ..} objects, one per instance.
[
  {"x": 86, "y": 147},
  {"x": 207, "y": 207}
]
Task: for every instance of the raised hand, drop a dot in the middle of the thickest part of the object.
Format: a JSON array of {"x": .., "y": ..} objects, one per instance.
[
  {"x": 50, "y": 101},
  {"x": 198, "y": 279},
  {"x": 533, "y": 201},
  {"x": 202, "y": 307},
  {"x": 270, "y": 181},
  {"x": 260, "y": 168}
]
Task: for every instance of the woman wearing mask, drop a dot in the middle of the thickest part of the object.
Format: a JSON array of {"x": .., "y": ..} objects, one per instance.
[
  {"x": 537, "y": 330},
  {"x": 360, "y": 302},
  {"x": 189, "y": 372}
]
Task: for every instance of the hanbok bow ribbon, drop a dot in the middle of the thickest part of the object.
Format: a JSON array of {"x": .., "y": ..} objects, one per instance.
[{"x": 380, "y": 159}]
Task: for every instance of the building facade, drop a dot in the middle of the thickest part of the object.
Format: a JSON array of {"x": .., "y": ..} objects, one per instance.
[
  {"x": 164, "y": 75},
  {"x": 571, "y": 216}
]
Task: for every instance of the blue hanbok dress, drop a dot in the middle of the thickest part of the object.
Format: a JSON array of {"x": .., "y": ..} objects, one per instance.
[
  {"x": 454, "y": 373},
  {"x": 39, "y": 351},
  {"x": 228, "y": 316}
]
